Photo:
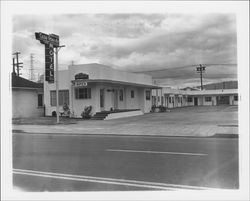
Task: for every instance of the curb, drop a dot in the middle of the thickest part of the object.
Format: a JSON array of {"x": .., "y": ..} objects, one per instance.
[
  {"x": 134, "y": 135},
  {"x": 224, "y": 135}
]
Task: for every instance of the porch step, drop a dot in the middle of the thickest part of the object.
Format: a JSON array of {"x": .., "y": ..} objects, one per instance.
[
  {"x": 100, "y": 115},
  {"x": 115, "y": 114}
]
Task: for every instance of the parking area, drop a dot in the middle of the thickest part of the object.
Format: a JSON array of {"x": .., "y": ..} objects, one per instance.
[{"x": 189, "y": 121}]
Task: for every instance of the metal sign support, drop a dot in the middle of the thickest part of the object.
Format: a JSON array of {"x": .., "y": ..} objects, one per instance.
[
  {"x": 57, "y": 83},
  {"x": 52, "y": 41}
]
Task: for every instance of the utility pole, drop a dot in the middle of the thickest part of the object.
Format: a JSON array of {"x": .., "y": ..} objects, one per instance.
[
  {"x": 17, "y": 64},
  {"x": 200, "y": 70},
  {"x": 32, "y": 76},
  {"x": 13, "y": 64}
]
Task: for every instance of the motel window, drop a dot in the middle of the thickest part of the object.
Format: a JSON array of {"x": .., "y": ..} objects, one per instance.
[
  {"x": 132, "y": 93},
  {"x": 53, "y": 98},
  {"x": 148, "y": 95},
  {"x": 83, "y": 93},
  {"x": 40, "y": 100},
  {"x": 235, "y": 98},
  {"x": 63, "y": 97},
  {"x": 208, "y": 99},
  {"x": 190, "y": 99},
  {"x": 121, "y": 95}
]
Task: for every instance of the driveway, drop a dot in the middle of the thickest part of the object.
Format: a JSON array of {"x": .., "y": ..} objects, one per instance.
[{"x": 189, "y": 121}]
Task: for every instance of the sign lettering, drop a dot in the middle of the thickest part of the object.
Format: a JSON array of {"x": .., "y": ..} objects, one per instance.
[
  {"x": 47, "y": 39},
  {"x": 49, "y": 63},
  {"x": 81, "y": 76},
  {"x": 81, "y": 84},
  {"x": 50, "y": 41}
]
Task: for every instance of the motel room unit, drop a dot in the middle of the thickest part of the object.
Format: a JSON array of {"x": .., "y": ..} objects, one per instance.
[{"x": 172, "y": 98}]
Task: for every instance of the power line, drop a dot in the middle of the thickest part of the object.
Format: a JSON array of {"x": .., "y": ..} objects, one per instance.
[
  {"x": 179, "y": 67},
  {"x": 17, "y": 64}
]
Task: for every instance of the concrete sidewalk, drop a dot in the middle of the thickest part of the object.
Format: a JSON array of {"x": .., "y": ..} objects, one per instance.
[{"x": 202, "y": 122}]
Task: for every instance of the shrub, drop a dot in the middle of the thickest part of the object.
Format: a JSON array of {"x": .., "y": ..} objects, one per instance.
[
  {"x": 153, "y": 108},
  {"x": 86, "y": 113},
  {"x": 162, "y": 108}
]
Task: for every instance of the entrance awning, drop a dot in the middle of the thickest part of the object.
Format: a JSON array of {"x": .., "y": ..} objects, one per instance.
[{"x": 84, "y": 82}]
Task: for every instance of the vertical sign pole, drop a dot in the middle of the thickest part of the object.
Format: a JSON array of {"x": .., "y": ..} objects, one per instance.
[{"x": 57, "y": 82}]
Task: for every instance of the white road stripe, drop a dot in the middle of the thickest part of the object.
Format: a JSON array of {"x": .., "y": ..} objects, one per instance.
[
  {"x": 95, "y": 181},
  {"x": 156, "y": 152},
  {"x": 124, "y": 182}
]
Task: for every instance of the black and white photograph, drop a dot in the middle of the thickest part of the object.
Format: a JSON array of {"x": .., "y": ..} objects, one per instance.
[{"x": 125, "y": 100}]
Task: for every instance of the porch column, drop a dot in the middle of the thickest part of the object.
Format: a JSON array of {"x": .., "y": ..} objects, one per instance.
[
  {"x": 161, "y": 98},
  {"x": 72, "y": 99},
  {"x": 156, "y": 98}
]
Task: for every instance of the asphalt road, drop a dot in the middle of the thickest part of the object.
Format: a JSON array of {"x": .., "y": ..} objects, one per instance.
[{"x": 47, "y": 162}]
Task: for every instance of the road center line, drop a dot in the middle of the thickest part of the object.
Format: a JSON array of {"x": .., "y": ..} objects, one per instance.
[
  {"x": 124, "y": 182},
  {"x": 156, "y": 152}
]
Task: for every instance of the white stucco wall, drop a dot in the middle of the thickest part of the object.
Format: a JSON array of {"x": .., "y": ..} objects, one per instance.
[
  {"x": 98, "y": 71},
  {"x": 206, "y": 103},
  {"x": 132, "y": 103},
  {"x": 25, "y": 103},
  {"x": 95, "y": 72},
  {"x": 214, "y": 103},
  {"x": 80, "y": 104},
  {"x": 64, "y": 84},
  {"x": 144, "y": 105},
  {"x": 190, "y": 103},
  {"x": 148, "y": 103}
]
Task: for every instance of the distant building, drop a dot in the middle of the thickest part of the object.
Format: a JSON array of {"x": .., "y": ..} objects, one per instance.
[
  {"x": 190, "y": 89},
  {"x": 27, "y": 98},
  {"x": 172, "y": 98},
  {"x": 221, "y": 85}
]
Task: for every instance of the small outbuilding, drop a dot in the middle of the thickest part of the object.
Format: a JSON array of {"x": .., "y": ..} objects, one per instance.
[{"x": 27, "y": 98}]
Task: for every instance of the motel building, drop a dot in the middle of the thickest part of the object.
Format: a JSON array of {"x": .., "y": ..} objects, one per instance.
[
  {"x": 113, "y": 92},
  {"x": 173, "y": 98}
]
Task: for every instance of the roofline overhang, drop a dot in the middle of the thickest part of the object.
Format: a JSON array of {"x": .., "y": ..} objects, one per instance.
[
  {"x": 30, "y": 88},
  {"x": 118, "y": 82}
]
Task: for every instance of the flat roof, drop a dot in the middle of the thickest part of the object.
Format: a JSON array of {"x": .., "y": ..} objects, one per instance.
[
  {"x": 203, "y": 92},
  {"x": 214, "y": 92}
]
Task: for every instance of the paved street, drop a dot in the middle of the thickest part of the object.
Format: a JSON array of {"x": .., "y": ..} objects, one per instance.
[{"x": 47, "y": 162}]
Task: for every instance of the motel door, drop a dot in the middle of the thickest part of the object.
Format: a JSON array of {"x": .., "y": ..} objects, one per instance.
[
  {"x": 116, "y": 99},
  {"x": 223, "y": 100},
  {"x": 102, "y": 99},
  {"x": 195, "y": 101}
]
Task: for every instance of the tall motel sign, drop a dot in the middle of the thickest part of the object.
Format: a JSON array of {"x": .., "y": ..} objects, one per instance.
[{"x": 51, "y": 43}]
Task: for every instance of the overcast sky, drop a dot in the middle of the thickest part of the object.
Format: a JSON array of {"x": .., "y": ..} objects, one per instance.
[{"x": 136, "y": 42}]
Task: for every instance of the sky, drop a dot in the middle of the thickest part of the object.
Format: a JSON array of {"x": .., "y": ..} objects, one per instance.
[{"x": 166, "y": 46}]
